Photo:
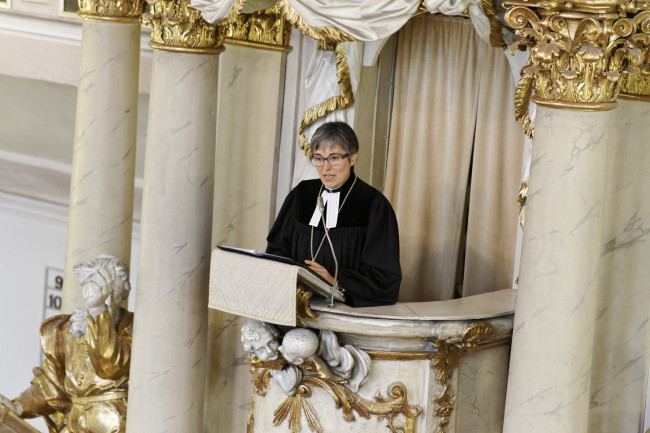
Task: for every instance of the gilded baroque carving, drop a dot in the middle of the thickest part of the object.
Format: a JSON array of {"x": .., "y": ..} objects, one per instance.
[
  {"x": 303, "y": 312},
  {"x": 294, "y": 406},
  {"x": 580, "y": 50},
  {"x": 264, "y": 29},
  {"x": 338, "y": 370},
  {"x": 177, "y": 26},
  {"x": 447, "y": 359},
  {"x": 638, "y": 85},
  {"x": 522, "y": 197},
  {"x": 111, "y": 10},
  {"x": 496, "y": 28},
  {"x": 523, "y": 92}
]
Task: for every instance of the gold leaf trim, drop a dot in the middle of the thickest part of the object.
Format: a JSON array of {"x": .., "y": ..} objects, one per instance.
[
  {"x": 571, "y": 105},
  {"x": 250, "y": 424},
  {"x": 232, "y": 14},
  {"x": 414, "y": 356},
  {"x": 127, "y": 11},
  {"x": 319, "y": 33},
  {"x": 339, "y": 102},
  {"x": 523, "y": 92},
  {"x": 631, "y": 97}
]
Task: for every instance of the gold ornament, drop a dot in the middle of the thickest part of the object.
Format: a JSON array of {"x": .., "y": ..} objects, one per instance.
[
  {"x": 111, "y": 10},
  {"x": 293, "y": 407},
  {"x": 521, "y": 199},
  {"x": 263, "y": 29},
  {"x": 447, "y": 359},
  {"x": 177, "y": 26},
  {"x": 580, "y": 50},
  {"x": 303, "y": 312},
  {"x": 496, "y": 28},
  {"x": 339, "y": 102},
  {"x": 523, "y": 92},
  {"x": 637, "y": 85}
]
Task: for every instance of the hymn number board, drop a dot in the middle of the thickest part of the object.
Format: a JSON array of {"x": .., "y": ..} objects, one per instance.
[{"x": 53, "y": 289}]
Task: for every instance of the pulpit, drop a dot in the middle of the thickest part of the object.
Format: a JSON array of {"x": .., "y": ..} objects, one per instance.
[{"x": 411, "y": 367}]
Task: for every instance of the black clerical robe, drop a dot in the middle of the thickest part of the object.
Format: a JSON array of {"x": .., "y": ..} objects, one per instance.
[{"x": 366, "y": 240}]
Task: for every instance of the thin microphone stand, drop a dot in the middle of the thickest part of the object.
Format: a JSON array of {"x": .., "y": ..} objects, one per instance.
[{"x": 335, "y": 286}]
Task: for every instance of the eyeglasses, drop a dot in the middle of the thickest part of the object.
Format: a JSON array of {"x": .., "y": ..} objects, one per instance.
[{"x": 334, "y": 159}]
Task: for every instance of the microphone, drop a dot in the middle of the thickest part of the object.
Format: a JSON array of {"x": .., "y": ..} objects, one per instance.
[{"x": 321, "y": 208}]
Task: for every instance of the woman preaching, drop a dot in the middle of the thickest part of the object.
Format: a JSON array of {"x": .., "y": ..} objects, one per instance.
[{"x": 360, "y": 220}]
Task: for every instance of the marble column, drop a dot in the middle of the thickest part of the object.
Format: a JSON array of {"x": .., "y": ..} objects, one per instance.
[
  {"x": 168, "y": 367},
  {"x": 103, "y": 163},
  {"x": 553, "y": 338},
  {"x": 579, "y": 357},
  {"x": 620, "y": 361},
  {"x": 246, "y": 161}
]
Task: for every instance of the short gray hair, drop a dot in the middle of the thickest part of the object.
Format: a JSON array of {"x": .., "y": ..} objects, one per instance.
[{"x": 331, "y": 133}]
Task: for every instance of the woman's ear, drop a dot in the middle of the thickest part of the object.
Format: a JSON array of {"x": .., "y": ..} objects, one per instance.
[{"x": 353, "y": 159}]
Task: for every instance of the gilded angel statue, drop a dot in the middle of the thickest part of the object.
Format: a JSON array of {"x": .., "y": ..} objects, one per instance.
[{"x": 82, "y": 385}]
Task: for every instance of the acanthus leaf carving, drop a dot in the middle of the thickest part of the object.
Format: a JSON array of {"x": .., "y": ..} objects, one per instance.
[{"x": 580, "y": 58}]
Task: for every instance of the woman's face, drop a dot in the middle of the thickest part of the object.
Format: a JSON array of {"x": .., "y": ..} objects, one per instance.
[{"x": 334, "y": 176}]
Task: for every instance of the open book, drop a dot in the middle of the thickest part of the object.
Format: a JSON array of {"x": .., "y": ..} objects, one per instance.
[{"x": 261, "y": 286}]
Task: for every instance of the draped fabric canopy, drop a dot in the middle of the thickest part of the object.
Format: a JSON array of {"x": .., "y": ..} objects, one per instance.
[{"x": 346, "y": 20}]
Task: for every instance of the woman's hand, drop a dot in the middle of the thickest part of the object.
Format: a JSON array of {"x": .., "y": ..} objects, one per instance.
[{"x": 320, "y": 270}]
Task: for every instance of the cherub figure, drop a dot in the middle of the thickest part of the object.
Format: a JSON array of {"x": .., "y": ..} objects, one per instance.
[{"x": 261, "y": 339}]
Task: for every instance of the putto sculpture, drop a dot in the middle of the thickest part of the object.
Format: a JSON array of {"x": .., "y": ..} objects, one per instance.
[
  {"x": 261, "y": 339},
  {"x": 303, "y": 352},
  {"x": 82, "y": 385}
]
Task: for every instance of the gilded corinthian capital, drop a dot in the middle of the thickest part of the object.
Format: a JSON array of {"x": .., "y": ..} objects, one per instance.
[
  {"x": 637, "y": 85},
  {"x": 581, "y": 51},
  {"x": 177, "y": 26},
  {"x": 266, "y": 29},
  {"x": 111, "y": 10}
]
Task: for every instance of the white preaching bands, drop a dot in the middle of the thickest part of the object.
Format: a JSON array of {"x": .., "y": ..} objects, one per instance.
[{"x": 332, "y": 213}]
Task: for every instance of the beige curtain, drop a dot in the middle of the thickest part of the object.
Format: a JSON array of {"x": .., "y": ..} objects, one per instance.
[{"x": 452, "y": 110}]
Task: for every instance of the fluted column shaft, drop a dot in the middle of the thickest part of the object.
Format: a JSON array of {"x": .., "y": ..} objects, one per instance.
[
  {"x": 168, "y": 368},
  {"x": 553, "y": 339},
  {"x": 103, "y": 162}
]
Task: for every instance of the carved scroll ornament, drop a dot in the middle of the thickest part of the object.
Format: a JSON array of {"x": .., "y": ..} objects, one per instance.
[{"x": 345, "y": 399}]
